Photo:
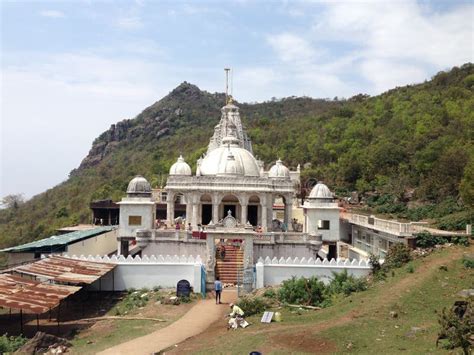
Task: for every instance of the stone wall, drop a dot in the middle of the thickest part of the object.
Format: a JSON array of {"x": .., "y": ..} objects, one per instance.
[
  {"x": 137, "y": 272},
  {"x": 274, "y": 271},
  {"x": 176, "y": 247},
  {"x": 288, "y": 249}
]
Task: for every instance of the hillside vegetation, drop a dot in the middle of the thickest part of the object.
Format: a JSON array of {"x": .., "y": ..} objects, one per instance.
[{"x": 409, "y": 150}]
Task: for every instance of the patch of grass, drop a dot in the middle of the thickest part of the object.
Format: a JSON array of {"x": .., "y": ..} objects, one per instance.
[
  {"x": 468, "y": 262},
  {"x": 9, "y": 344},
  {"x": 415, "y": 329},
  {"x": 133, "y": 299}
]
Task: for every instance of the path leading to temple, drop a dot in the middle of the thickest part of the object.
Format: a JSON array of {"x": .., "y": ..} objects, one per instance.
[{"x": 195, "y": 321}]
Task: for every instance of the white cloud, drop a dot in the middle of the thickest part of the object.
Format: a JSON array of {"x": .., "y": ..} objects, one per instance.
[
  {"x": 399, "y": 42},
  {"x": 53, "y": 109},
  {"x": 130, "y": 22},
  {"x": 384, "y": 44},
  {"x": 291, "y": 48},
  {"x": 52, "y": 14}
]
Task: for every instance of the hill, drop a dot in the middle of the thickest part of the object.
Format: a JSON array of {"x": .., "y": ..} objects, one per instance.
[{"x": 409, "y": 150}]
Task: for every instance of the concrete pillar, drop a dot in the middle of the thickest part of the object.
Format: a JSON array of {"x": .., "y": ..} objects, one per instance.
[
  {"x": 170, "y": 212},
  {"x": 243, "y": 214},
  {"x": 210, "y": 262},
  {"x": 264, "y": 216},
  {"x": 195, "y": 222},
  {"x": 197, "y": 278},
  {"x": 189, "y": 212},
  {"x": 288, "y": 211},
  {"x": 248, "y": 264},
  {"x": 260, "y": 272}
]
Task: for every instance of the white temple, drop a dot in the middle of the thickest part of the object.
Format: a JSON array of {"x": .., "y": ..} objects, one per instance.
[{"x": 229, "y": 178}]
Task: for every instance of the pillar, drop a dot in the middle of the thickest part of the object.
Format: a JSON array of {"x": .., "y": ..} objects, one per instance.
[
  {"x": 189, "y": 211},
  {"x": 243, "y": 214},
  {"x": 248, "y": 264},
  {"x": 264, "y": 215},
  {"x": 194, "y": 222},
  {"x": 215, "y": 213},
  {"x": 210, "y": 262},
  {"x": 170, "y": 212},
  {"x": 288, "y": 211}
]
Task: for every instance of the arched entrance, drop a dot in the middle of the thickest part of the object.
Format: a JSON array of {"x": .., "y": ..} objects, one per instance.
[
  {"x": 229, "y": 203},
  {"x": 253, "y": 211},
  {"x": 206, "y": 209}
]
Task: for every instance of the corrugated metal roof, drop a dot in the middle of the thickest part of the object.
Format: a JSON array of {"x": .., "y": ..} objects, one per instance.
[
  {"x": 62, "y": 269},
  {"x": 56, "y": 241},
  {"x": 30, "y": 295}
]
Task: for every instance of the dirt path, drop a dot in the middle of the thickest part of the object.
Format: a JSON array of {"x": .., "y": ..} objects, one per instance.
[{"x": 195, "y": 321}]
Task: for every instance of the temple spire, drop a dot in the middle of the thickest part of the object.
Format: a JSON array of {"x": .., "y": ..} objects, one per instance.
[{"x": 227, "y": 70}]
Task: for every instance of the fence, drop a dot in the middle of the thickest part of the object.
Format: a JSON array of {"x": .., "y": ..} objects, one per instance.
[
  {"x": 139, "y": 272},
  {"x": 271, "y": 272}
]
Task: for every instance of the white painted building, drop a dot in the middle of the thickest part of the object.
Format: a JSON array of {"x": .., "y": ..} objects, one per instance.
[{"x": 322, "y": 214}]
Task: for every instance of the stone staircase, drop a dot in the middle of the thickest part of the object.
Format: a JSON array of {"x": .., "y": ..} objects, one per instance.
[{"x": 232, "y": 265}]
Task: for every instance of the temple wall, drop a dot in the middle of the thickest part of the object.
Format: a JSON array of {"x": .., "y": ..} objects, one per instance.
[
  {"x": 163, "y": 271},
  {"x": 274, "y": 272},
  {"x": 176, "y": 247},
  {"x": 285, "y": 250}
]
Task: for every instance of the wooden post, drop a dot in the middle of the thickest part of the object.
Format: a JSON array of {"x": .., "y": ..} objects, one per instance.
[
  {"x": 21, "y": 321},
  {"x": 37, "y": 322},
  {"x": 59, "y": 313}
]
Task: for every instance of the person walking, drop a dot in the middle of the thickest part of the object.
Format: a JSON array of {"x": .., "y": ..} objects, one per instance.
[{"x": 218, "y": 289}]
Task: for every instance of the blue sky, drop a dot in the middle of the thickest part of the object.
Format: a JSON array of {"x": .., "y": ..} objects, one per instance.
[{"x": 72, "y": 68}]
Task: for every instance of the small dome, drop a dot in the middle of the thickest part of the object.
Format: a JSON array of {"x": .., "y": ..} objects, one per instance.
[
  {"x": 180, "y": 167},
  {"x": 321, "y": 191},
  {"x": 139, "y": 186},
  {"x": 279, "y": 171}
]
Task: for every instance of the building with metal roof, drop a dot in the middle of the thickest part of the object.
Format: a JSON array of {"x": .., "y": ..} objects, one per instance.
[{"x": 99, "y": 240}]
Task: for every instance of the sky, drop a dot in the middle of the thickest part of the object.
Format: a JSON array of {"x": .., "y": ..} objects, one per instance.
[{"x": 70, "y": 69}]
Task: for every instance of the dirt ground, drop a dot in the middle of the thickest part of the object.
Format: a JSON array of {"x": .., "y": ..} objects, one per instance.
[{"x": 198, "y": 319}]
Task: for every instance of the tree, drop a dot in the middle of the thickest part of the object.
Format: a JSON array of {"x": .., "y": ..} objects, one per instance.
[{"x": 12, "y": 201}]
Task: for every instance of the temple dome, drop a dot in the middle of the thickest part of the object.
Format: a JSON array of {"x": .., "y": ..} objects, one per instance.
[
  {"x": 279, "y": 171},
  {"x": 231, "y": 166},
  {"x": 139, "y": 186},
  {"x": 321, "y": 191},
  {"x": 230, "y": 160},
  {"x": 180, "y": 167}
]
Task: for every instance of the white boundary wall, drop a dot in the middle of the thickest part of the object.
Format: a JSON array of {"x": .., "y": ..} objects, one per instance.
[
  {"x": 137, "y": 272},
  {"x": 270, "y": 272}
]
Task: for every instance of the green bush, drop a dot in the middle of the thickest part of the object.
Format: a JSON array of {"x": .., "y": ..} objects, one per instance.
[
  {"x": 454, "y": 221},
  {"x": 460, "y": 240},
  {"x": 456, "y": 329},
  {"x": 252, "y": 305},
  {"x": 468, "y": 262},
  {"x": 428, "y": 240},
  {"x": 302, "y": 291},
  {"x": 270, "y": 293},
  {"x": 374, "y": 263},
  {"x": 397, "y": 255},
  {"x": 10, "y": 344},
  {"x": 133, "y": 299},
  {"x": 410, "y": 269},
  {"x": 345, "y": 284}
]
